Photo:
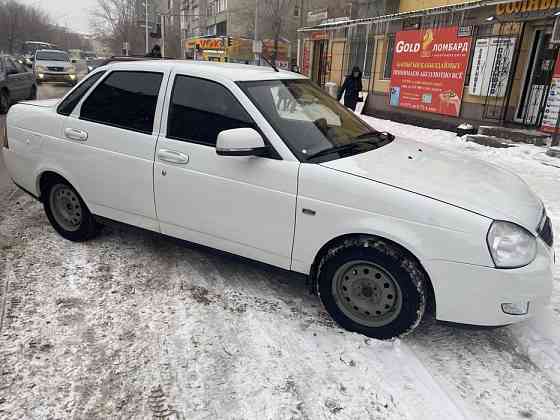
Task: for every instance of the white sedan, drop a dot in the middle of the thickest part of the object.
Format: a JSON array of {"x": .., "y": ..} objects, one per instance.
[{"x": 265, "y": 165}]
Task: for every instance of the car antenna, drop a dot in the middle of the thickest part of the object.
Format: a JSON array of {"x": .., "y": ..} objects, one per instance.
[{"x": 270, "y": 64}]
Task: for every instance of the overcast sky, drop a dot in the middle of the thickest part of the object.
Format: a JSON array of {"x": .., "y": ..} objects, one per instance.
[{"x": 71, "y": 13}]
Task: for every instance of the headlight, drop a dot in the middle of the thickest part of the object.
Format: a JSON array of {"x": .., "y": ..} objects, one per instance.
[
  {"x": 72, "y": 69},
  {"x": 40, "y": 69},
  {"x": 511, "y": 246}
]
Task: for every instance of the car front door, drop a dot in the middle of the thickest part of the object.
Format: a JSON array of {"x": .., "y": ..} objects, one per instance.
[
  {"x": 243, "y": 205},
  {"x": 16, "y": 80},
  {"x": 110, "y": 139}
]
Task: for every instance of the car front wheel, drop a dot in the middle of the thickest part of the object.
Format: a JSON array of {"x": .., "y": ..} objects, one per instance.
[
  {"x": 372, "y": 287},
  {"x": 68, "y": 213}
]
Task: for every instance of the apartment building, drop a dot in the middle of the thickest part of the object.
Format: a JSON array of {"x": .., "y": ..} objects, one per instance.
[{"x": 193, "y": 18}]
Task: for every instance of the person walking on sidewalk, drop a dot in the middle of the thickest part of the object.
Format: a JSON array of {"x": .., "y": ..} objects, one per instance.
[{"x": 351, "y": 88}]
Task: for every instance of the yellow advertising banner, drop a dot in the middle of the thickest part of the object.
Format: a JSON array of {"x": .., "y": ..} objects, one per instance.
[
  {"x": 516, "y": 7},
  {"x": 205, "y": 43}
]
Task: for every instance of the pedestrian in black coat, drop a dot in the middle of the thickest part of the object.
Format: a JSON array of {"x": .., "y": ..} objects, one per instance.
[{"x": 351, "y": 88}]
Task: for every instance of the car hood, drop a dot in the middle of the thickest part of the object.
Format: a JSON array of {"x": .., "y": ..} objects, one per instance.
[
  {"x": 448, "y": 177},
  {"x": 64, "y": 64}
]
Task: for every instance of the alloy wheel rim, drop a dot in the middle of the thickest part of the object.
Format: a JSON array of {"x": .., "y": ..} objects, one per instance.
[
  {"x": 367, "y": 293},
  {"x": 66, "y": 207}
]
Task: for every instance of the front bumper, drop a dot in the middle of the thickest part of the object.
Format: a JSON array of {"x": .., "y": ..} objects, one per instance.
[
  {"x": 471, "y": 294},
  {"x": 56, "y": 77}
]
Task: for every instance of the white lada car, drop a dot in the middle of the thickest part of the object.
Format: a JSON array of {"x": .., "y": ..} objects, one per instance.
[{"x": 266, "y": 165}]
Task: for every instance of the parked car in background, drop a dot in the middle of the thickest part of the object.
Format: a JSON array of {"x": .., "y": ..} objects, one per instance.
[
  {"x": 96, "y": 62},
  {"x": 30, "y": 47},
  {"x": 54, "y": 66},
  {"x": 17, "y": 83},
  {"x": 267, "y": 165}
]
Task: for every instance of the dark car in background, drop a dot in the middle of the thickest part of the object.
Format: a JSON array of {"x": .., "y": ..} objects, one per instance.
[{"x": 17, "y": 83}]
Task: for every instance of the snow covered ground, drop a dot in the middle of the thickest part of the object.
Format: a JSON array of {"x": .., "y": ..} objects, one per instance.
[{"x": 133, "y": 324}]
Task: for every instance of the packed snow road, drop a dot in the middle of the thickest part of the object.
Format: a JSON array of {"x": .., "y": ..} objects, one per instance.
[{"x": 136, "y": 325}]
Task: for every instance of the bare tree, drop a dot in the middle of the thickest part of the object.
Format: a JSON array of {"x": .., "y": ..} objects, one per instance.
[
  {"x": 119, "y": 21},
  {"x": 276, "y": 17},
  {"x": 115, "y": 23},
  {"x": 20, "y": 23}
]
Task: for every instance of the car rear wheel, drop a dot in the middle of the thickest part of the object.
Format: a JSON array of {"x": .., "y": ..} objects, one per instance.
[
  {"x": 4, "y": 102},
  {"x": 372, "y": 287},
  {"x": 68, "y": 213}
]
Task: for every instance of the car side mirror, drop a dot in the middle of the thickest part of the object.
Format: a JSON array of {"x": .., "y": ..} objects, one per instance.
[{"x": 241, "y": 142}]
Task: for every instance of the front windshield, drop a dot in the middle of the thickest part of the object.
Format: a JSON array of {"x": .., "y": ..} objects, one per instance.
[
  {"x": 311, "y": 122},
  {"x": 52, "y": 56}
]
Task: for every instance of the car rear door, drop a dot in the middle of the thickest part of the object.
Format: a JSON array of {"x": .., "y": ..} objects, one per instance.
[
  {"x": 243, "y": 205},
  {"x": 113, "y": 132}
]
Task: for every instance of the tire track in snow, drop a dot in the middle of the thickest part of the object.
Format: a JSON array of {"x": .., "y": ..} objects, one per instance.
[
  {"x": 539, "y": 339},
  {"x": 486, "y": 369}
]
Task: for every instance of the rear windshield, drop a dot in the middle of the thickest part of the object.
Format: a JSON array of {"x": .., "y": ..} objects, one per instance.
[{"x": 52, "y": 56}]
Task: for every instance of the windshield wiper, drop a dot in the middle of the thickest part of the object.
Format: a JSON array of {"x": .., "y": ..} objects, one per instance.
[
  {"x": 341, "y": 148},
  {"x": 382, "y": 135}
]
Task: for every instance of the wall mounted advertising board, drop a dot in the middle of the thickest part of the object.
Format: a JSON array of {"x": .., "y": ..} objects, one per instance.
[
  {"x": 552, "y": 109},
  {"x": 429, "y": 70},
  {"x": 491, "y": 66}
]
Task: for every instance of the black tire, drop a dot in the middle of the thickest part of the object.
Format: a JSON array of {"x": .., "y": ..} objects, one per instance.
[
  {"x": 33, "y": 93},
  {"x": 87, "y": 227},
  {"x": 5, "y": 101},
  {"x": 407, "y": 274}
]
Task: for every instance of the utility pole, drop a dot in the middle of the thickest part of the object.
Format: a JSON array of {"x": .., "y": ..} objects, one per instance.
[
  {"x": 147, "y": 32},
  {"x": 163, "y": 35},
  {"x": 257, "y": 37}
]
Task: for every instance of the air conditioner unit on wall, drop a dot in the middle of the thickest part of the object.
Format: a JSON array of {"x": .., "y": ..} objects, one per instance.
[{"x": 555, "y": 39}]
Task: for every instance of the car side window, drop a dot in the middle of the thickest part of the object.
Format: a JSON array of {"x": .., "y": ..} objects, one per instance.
[
  {"x": 200, "y": 109},
  {"x": 125, "y": 99},
  {"x": 10, "y": 66},
  {"x": 20, "y": 67},
  {"x": 69, "y": 103}
]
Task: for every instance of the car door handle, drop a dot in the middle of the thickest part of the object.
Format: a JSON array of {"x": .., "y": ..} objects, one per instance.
[
  {"x": 172, "y": 156},
  {"x": 74, "y": 134}
]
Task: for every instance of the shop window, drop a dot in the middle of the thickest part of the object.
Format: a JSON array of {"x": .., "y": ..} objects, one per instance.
[
  {"x": 221, "y": 28},
  {"x": 369, "y": 57},
  {"x": 361, "y": 51},
  {"x": 357, "y": 46},
  {"x": 388, "y": 69}
]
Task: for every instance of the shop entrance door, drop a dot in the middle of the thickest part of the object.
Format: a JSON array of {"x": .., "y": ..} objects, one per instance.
[
  {"x": 319, "y": 69},
  {"x": 537, "y": 81}
]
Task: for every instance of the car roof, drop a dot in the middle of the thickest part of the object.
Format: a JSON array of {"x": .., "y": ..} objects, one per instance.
[{"x": 208, "y": 69}]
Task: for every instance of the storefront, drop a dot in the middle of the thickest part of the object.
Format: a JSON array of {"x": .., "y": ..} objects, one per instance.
[
  {"x": 236, "y": 50},
  {"x": 486, "y": 62}
]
